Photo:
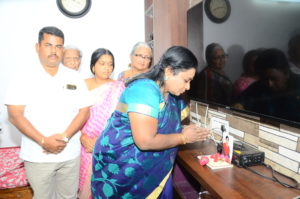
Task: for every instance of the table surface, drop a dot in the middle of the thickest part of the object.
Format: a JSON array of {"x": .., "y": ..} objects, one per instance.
[{"x": 232, "y": 183}]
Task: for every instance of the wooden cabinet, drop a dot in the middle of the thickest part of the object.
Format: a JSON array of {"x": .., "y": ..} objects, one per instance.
[
  {"x": 165, "y": 24},
  {"x": 16, "y": 193}
]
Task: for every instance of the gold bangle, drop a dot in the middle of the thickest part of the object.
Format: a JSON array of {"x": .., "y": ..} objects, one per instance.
[
  {"x": 183, "y": 138},
  {"x": 42, "y": 141}
]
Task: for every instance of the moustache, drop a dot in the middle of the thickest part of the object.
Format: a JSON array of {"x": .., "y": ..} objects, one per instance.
[{"x": 53, "y": 55}]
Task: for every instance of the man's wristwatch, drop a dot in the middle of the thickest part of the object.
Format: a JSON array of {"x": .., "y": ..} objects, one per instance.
[{"x": 65, "y": 138}]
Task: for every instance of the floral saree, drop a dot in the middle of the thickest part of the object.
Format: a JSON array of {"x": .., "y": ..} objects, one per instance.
[
  {"x": 105, "y": 98},
  {"x": 120, "y": 168}
]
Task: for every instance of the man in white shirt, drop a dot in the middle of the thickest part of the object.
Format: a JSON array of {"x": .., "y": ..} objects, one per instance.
[{"x": 49, "y": 105}]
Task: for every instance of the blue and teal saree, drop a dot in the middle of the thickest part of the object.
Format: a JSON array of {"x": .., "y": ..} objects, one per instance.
[{"x": 120, "y": 168}]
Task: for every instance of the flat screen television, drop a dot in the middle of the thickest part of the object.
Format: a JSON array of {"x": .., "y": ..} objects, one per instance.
[{"x": 252, "y": 24}]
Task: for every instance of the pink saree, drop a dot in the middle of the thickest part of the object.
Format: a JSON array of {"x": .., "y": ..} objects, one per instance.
[{"x": 106, "y": 98}]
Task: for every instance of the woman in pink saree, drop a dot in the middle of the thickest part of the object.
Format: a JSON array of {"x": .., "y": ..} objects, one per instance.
[
  {"x": 249, "y": 74},
  {"x": 106, "y": 93}
]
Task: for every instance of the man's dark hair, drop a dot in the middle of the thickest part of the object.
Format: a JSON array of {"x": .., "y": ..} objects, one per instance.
[{"x": 51, "y": 30}]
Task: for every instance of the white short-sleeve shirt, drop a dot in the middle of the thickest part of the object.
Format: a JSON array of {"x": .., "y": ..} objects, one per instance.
[{"x": 51, "y": 103}]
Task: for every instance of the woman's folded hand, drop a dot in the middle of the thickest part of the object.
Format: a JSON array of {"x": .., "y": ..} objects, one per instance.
[{"x": 194, "y": 133}]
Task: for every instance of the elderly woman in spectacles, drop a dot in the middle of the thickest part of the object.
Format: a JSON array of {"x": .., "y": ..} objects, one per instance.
[
  {"x": 212, "y": 84},
  {"x": 141, "y": 57}
]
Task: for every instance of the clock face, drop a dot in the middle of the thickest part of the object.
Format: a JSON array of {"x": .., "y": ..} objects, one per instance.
[
  {"x": 74, "y": 8},
  {"x": 217, "y": 10}
]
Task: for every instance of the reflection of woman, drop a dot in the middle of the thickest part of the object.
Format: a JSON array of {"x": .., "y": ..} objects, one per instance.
[
  {"x": 277, "y": 92},
  {"x": 140, "y": 56},
  {"x": 134, "y": 155},
  {"x": 213, "y": 84},
  {"x": 249, "y": 74},
  {"x": 106, "y": 93}
]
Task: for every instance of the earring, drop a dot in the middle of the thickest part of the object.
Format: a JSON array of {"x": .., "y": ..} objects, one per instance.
[{"x": 166, "y": 78}]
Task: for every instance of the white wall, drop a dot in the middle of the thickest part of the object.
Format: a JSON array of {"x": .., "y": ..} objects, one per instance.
[
  {"x": 253, "y": 24},
  {"x": 113, "y": 24}
]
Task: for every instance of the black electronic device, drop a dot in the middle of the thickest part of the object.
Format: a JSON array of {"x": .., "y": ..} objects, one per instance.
[{"x": 245, "y": 155}]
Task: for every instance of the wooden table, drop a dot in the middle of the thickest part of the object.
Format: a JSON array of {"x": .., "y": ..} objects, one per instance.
[{"x": 231, "y": 183}]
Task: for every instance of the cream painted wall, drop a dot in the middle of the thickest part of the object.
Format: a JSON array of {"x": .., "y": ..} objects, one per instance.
[{"x": 113, "y": 24}]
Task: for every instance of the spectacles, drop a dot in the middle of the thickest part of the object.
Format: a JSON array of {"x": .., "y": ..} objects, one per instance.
[
  {"x": 143, "y": 57},
  {"x": 225, "y": 56}
]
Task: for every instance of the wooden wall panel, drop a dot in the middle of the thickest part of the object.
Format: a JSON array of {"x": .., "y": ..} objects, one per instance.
[{"x": 169, "y": 25}]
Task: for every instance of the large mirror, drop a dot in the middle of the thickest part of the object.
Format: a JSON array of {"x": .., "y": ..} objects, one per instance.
[{"x": 256, "y": 35}]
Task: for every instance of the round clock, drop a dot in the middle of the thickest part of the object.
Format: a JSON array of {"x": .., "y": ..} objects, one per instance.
[
  {"x": 217, "y": 10},
  {"x": 74, "y": 8}
]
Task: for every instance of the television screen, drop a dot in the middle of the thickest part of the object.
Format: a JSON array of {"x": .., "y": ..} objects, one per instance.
[{"x": 250, "y": 62}]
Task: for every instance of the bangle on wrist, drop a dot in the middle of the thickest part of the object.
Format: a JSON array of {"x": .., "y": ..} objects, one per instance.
[{"x": 183, "y": 138}]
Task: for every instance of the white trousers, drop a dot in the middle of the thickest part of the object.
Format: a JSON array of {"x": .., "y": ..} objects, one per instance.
[{"x": 57, "y": 180}]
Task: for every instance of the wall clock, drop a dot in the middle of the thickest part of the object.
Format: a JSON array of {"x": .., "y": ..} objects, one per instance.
[
  {"x": 217, "y": 11},
  {"x": 74, "y": 8}
]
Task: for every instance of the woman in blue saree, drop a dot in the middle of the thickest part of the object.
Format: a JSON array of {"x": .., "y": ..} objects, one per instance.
[{"x": 134, "y": 155}]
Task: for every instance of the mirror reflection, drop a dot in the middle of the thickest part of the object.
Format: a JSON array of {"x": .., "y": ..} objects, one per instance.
[{"x": 251, "y": 62}]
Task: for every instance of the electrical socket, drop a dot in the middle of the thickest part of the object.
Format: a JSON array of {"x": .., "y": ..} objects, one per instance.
[{"x": 216, "y": 124}]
